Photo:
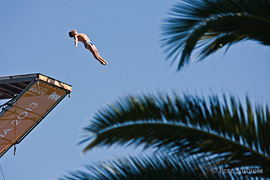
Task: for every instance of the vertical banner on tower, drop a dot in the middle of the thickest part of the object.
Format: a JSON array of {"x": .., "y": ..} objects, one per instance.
[{"x": 29, "y": 109}]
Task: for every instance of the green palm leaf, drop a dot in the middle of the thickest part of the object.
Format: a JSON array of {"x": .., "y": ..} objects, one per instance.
[
  {"x": 152, "y": 167},
  {"x": 211, "y": 24},
  {"x": 187, "y": 125}
]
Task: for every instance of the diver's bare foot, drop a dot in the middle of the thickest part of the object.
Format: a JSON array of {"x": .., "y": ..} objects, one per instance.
[{"x": 103, "y": 62}]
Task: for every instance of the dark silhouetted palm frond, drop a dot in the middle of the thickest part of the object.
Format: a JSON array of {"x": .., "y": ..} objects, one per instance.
[
  {"x": 211, "y": 24},
  {"x": 187, "y": 125},
  {"x": 153, "y": 168}
]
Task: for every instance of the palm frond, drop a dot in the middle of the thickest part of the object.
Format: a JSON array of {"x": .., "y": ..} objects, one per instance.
[
  {"x": 212, "y": 24},
  {"x": 154, "y": 167},
  {"x": 186, "y": 125}
]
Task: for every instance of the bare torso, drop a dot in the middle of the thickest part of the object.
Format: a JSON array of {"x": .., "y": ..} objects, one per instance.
[{"x": 83, "y": 38}]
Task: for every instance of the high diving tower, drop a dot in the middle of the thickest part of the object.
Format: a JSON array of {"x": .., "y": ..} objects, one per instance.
[{"x": 30, "y": 98}]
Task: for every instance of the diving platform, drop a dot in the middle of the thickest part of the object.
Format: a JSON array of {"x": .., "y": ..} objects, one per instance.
[{"x": 29, "y": 99}]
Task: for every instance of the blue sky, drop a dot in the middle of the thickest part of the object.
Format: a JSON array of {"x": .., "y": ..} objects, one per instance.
[{"x": 34, "y": 36}]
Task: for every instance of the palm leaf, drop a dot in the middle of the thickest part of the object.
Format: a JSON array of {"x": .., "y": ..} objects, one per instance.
[
  {"x": 186, "y": 125},
  {"x": 152, "y": 167},
  {"x": 209, "y": 25}
]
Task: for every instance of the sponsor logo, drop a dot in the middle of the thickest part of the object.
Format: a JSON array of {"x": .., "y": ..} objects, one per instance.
[
  {"x": 54, "y": 97},
  {"x": 39, "y": 90}
]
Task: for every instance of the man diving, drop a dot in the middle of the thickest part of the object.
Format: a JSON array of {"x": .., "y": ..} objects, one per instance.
[{"x": 87, "y": 44}]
